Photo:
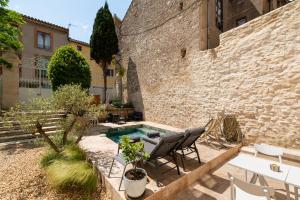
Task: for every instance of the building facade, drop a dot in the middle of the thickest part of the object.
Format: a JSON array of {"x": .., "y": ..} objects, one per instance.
[{"x": 28, "y": 78}]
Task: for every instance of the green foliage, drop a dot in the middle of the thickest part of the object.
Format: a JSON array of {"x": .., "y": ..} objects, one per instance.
[
  {"x": 104, "y": 40},
  {"x": 133, "y": 152},
  {"x": 49, "y": 158},
  {"x": 31, "y": 113},
  {"x": 116, "y": 102},
  {"x": 9, "y": 31},
  {"x": 70, "y": 174},
  {"x": 68, "y": 169},
  {"x": 72, "y": 99},
  {"x": 121, "y": 71},
  {"x": 73, "y": 153},
  {"x": 68, "y": 66}
]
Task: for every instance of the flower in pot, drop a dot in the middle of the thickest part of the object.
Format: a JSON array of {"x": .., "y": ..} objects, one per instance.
[{"x": 135, "y": 179}]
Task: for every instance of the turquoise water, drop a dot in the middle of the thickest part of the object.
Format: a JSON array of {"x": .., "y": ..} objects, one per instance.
[{"x": 116, "y": 134}]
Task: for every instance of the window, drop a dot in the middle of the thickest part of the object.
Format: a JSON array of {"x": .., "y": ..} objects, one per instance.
[
  {"x": 44, "y": 40},
  {"x": 219, "y": 14},
  {"x": 33, "y": 73},
  {"x": 110, "y": 72},
  {"x": 79, "y": 48},
  {"x": 241, "y": 21}
]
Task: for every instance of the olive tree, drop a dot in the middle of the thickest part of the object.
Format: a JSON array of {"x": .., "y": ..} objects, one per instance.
[{"x": 71, "y": 99}]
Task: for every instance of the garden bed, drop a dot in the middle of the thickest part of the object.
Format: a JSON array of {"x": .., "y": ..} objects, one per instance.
[{"x": 21, "y": 176}]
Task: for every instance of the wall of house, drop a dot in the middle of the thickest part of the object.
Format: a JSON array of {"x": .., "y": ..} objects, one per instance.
[
  {"x": 10, "y": 82},
  {"x": 254, "y": 73},
  {"x": 60, "y": 38}
]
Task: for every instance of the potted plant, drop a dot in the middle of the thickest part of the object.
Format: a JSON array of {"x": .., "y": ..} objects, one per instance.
[{"x": 135, "y": 179}]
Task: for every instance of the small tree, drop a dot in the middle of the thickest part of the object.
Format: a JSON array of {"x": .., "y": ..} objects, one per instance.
[
  {"x": 133, "y": 152},
  {"x": 77, "y": 104},
  {"x": 9, "y": 32},
  {"x": 104, "y": 41},
  {"x": 34, "y": 115},
  {"x": 68, "y": 66}
]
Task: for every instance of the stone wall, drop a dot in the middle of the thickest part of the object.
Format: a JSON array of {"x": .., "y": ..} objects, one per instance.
[
  {"x": 10, "y": 82},
  {"x": 254, "y": 73}
]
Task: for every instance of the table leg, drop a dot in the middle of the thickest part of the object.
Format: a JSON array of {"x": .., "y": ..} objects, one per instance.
[
  {"x": 287, "y": 191},
  {"x": 296, "y": 193},
  {"x": 246, "y": 175}
]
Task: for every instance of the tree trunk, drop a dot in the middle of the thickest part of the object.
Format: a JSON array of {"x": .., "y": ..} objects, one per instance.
[
  {"x": 104, "y": 68},
  {"x": 66, "y": 132},
  {"x": 46, "y": 137},
  {"x": 78, "y": 139}
]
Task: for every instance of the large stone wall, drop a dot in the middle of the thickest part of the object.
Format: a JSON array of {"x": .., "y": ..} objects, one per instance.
[{"x": 254, "y": 73}]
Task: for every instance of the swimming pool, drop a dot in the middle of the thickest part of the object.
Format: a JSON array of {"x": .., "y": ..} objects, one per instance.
[{"x": 115, "y": 134}]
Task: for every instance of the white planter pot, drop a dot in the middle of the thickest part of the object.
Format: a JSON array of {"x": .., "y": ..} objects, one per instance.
[{"x": 135, "y": 188}]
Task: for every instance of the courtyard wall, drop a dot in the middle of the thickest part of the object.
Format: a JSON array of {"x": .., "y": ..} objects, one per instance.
[{"x": 254, "y": 73}]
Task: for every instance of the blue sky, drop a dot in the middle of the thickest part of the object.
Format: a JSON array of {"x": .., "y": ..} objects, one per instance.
[{"x": 79, "y": 13}]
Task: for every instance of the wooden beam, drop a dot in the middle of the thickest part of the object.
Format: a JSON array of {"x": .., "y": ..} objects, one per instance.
[{"x": 184, "y": 182}]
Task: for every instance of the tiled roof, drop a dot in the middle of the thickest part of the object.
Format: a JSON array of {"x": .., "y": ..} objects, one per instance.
[
  {"x": 38, "y": 21},
  {"x": 79, "y": 42}
]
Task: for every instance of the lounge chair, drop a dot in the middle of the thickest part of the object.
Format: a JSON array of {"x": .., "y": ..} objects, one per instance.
[
  {"x": 213, "y": 130},
  {"x": 164, "y": 148},
  {"x": 189, "y": 144},
  {"x": 241, "y": 190}
]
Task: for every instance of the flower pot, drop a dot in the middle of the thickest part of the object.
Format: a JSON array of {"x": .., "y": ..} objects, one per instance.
[{"x": 135, "y": 188}]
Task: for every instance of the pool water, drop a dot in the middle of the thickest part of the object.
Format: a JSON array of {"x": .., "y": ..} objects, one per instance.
[{"x": 116, "y": 134}]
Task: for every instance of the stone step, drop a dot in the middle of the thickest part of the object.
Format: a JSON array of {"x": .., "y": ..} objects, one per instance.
[
  {"x": 17, "y": 127},
  {"x": 5, "y": 145},
  {"x": 24, "y": 137},
  {"x": 15, "y": 123},
  {"x": 11, "y": 133}
]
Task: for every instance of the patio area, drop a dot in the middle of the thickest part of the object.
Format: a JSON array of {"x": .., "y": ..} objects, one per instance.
[{"x": 211, "y": 186}]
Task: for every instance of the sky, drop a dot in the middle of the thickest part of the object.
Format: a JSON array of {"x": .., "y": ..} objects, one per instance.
[{"x": 79, "y": 13}]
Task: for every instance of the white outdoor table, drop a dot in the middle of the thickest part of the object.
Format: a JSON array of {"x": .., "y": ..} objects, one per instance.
[{"x": 288, "y": 174}]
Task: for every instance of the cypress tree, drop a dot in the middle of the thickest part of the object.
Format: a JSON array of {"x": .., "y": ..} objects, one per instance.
[{"x": 104, "y": 41}]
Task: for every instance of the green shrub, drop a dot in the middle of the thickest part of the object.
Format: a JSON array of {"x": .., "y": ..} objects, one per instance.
[
  {"x": 49, "y": 157},
  {"x": 116, "y": 103},
  {"x": 68, "y": 66},
  {"x": 72, "y": 174},
  {"x": 73, "y": 152}
]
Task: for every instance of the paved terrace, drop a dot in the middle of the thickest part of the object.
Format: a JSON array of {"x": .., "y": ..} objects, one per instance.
[{"x": 215, "y": 186}]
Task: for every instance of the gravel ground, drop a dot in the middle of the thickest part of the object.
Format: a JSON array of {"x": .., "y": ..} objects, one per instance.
[{"x": 21, "y": 177}]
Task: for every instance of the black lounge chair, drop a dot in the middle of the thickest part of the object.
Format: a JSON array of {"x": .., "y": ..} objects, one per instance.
[
  {"x": 160, "y": 148},
  {"x": 189, "y": 143}
]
